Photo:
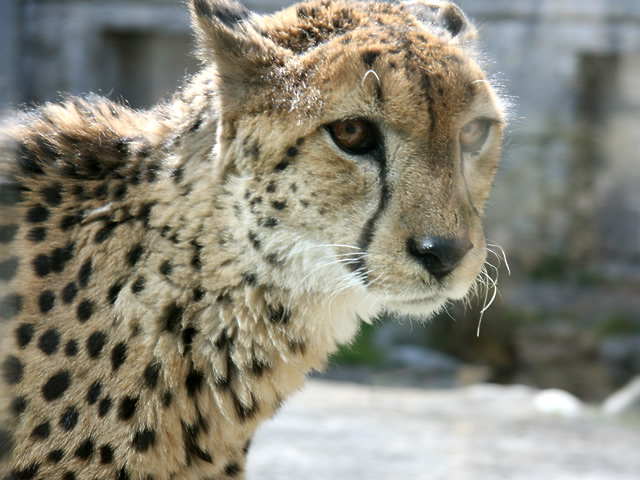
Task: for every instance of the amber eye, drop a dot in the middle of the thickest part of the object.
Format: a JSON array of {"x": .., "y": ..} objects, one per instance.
[
  {"x": 473, "y": 135},
  {"x": 354, "y": 136}
]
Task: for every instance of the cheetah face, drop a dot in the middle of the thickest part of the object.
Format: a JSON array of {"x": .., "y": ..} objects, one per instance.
[{"x": 360, "y": 154}]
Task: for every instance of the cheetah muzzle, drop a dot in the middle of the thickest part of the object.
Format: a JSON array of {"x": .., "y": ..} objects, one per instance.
[{"x": 169, "y": 276}]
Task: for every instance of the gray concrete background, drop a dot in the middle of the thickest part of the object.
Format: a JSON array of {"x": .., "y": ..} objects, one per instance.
[{"x": 483, "y": 432}]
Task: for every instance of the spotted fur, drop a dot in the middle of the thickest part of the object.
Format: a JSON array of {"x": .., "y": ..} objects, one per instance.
[{"x": 169, "y": 276}]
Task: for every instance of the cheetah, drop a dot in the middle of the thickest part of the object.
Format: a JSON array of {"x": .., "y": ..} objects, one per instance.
[{"x": 169, "y": 276}]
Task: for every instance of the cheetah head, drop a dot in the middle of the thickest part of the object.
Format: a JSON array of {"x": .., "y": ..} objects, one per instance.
[{"x": 359, "y": 141}]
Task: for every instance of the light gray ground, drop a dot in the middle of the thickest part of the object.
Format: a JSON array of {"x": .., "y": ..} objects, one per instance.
[{"x": 332, "y": 431}]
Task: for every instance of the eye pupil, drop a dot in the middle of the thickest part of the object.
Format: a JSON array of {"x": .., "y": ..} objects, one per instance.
[{"x": 354, "y": 136}]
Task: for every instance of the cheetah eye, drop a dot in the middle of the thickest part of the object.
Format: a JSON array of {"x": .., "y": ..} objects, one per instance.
[
  {"x": 358, "y": 137},
  {"x": 473, "y": 135}
]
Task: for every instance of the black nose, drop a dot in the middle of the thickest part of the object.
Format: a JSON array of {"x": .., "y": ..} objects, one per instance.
[{"x": 439, "y": 255}]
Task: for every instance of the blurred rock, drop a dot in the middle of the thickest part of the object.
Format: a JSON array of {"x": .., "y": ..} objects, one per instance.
[
  {"x": 554, "y": 401},
  {"x": 624, "y": 401}
]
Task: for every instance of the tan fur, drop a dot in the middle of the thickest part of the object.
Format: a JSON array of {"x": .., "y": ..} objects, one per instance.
[{"x": 191, "y": 260}]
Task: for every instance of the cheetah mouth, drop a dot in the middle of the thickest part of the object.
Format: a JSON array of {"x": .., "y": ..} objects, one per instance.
[{"x": 419, "y": 301}]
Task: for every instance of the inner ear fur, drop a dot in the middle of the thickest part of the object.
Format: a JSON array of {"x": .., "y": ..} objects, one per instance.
[
  {"x": 229, "y": 35},
  {"x": 444, "y": 18}
]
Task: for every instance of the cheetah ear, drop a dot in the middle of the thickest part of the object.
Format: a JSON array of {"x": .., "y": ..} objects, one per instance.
[
  {"x": 445, "y": 18},
  {"x": 229, "y": 35}
]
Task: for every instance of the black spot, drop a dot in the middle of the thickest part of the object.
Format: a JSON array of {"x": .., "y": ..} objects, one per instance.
[
  {"x": 255, "y": 241},
  {"x": 78, "y": 191},
  {"x": 144, "y": 439},
  {"x": 172, "y": 318},
  {"x": 37, "y": 234},
  {"x": 24, "y": 474},
  {"x": 246, "y": 447},
  {"x": 271, "y": 187},
  {"x": 95, "y": 343},
  {"x": 37, "y": 214},
  {"x": 24, "y": 334},
  {"x": 151, "y": 374},
  {"x": 10, "y": 306},
  {"x": 41, "y": 431},
  {"x": 297, "y": 347},
  {"x": 187, "y": 338},
  {"x": 279, "y": 205},
  {"x": 60, "y": 257},
  {"x": 8, "y": 233},
  {"x": 144, "y": 213},
  {"x": 177, "y": 174},
  {"x": 105, "y": 232},
  {"x": 118, "y": 355},
  {"x": 56, "y": 385},
  {"x": 69, "y": 476},
  {"x": 85, "y": 273},
  {"x": 55, "y": 455},
  {"x": 113, "y": 293},
  {"x": 291, "y": 152},
  {"x": 41, "y": 265},
  {"x": 127, "y": 408},
  {"x": 49, "y": 341},
  {"x": 119, "y": 192},
  {"x": 193, "y": 382},
  {"x": 28, "y": 160},
  {"x": 138, "y": 285},
  {"x": 196, "y": 260},
  {"x": 69, "y": 292},
  {"x": 71, "y": 349},
  {"x": 18, "y": 405},
  {"x": 270, "y": 222},
  {"x": 52, "y": 194},
  {"x": 282, "y": 165},
  {"x": 166, "y": 268},
  {"x": 85, "y": 449},
  {"x": 69, "y": 419},
  {"x": 232, "y": 469},
  {"x": 166, "y": 398},
  {"x": 258, "y": 367},
  {"x": 245, "y": 412},
  {"x": 48, "y": 148},
  {"x": 250, "y": 278},
  {"x": 8, "y": 268},
  {"x": 198, "y": 294},
  {"x": 84, "y": 310},
  {"x": 94, "y": 392},
  {"x": 104, "y": 406},
  {"x": 134, "y": 254},
  {"x": 123, "y": 475},
  {"x": 69, "y": 221},
  {"x": 46, "y": 301},
  {"x": 101, "y": 191},
  {"x": 190, "y": 441},
  {"x": 106, "y": 454}
]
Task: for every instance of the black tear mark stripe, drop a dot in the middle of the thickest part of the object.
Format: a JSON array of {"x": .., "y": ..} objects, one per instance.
[{"x": 367, "y": 234}]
